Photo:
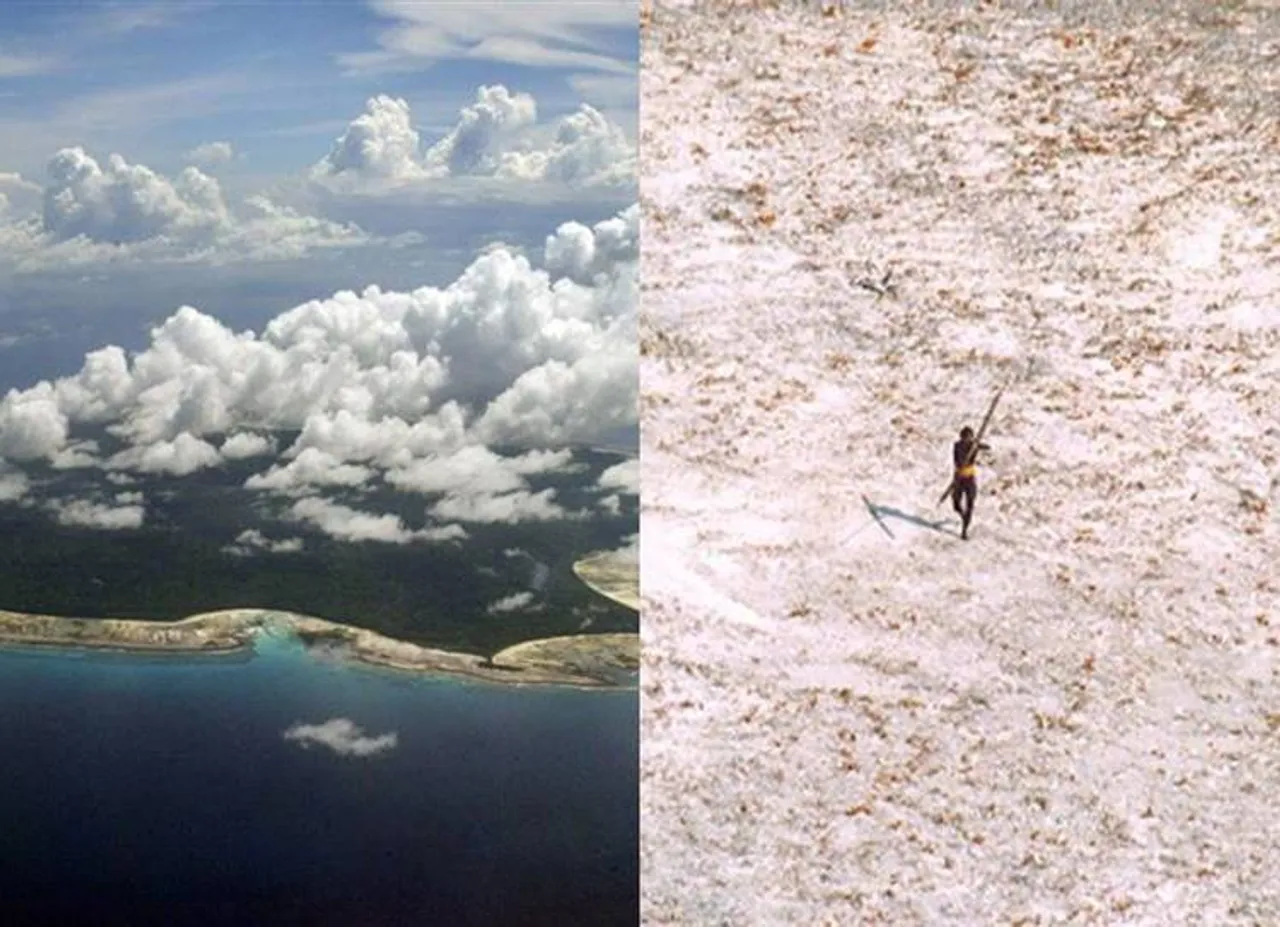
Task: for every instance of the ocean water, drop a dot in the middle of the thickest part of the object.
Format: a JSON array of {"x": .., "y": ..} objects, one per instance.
[{"x": 154, "y": 789}]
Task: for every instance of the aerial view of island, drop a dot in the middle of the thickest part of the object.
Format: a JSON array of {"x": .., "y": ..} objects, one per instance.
[
  {"x": 319, "y": 463},
  {"x": 211, "y": 564}
]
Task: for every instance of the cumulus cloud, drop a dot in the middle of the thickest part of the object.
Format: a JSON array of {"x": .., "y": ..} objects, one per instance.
[
  {"x": 120, "y": 202},
  {"x": 623, "y": 477},
  {"x": 32, "y": 423},
  {"x": 413, "y": 388},
  {"x": 381, "y": 142},
  {"x": 81, "y": 512},
  {"x": 348, "y": 524},
  {"x": 310, "y": 468},
  {"x": 77, "y": 455},
  {"x": 245, "y": 444},
  {"x": 252, "y": 540},
  {"x": 584, "y": 254},
  {"x": 17, "y": 194},
  {"x": 475, "y": 145},
  {"x": 508, "y": 354},
  {"x": 510, "y": 603},
  {"x": 343, "y": 736},
  {"x": 475, "y": 470},
  {"x": 507, "y": 508},
  {"x": 586, "y": 149},
  {"x": 180, "y": 456},
  {"x": 101, "y": 212},
  {"x": 498, "y": 136},
  {"x": 211, "y": 154}
]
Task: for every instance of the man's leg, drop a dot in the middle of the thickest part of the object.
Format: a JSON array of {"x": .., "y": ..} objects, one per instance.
[
  {"x": 955, "y": 498},
  {"x": 970, "y": 495}
]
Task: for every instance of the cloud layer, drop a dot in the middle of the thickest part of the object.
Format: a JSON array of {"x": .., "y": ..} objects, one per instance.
[
  {"x": 497, "y": 136},
  {"x": 560, "y": 35},
  {"x": 102, "y": 212},
  {"x": 414, "y": 389}
]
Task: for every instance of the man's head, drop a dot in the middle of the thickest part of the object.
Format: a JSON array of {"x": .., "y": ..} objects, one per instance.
[{"x": 966, "y": 433}]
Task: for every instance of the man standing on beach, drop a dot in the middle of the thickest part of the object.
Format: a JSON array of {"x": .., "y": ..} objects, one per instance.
[{"x": 964, "y": 488}]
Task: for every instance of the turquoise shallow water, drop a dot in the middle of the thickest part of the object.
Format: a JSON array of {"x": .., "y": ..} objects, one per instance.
[{"x": 156, "y": 789}]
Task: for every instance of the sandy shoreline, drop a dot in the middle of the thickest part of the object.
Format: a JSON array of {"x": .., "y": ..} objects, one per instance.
[
  {"x": 613, "y": 575},
  {"x": 591, "y": 660},
  {"x": 581, "y": 660}
]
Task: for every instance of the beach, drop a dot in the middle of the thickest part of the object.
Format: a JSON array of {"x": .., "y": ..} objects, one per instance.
[{"x": 588, "y": 660}]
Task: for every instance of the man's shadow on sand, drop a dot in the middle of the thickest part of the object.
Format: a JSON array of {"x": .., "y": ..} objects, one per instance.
[{"x": 881, "y": 512}]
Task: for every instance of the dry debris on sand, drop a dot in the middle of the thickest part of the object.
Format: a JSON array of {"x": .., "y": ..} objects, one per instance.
[{"x": 857, "y": 225}]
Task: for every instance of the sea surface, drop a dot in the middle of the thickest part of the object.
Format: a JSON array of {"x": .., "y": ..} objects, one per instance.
[{"x": 163, "y": 789}]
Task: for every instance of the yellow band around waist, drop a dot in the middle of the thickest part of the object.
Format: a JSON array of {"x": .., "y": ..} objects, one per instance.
[{"x": 968, "y": 472}]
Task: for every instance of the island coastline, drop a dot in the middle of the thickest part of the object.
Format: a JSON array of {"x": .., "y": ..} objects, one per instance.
[
  {"x": 613, "y": 574},
  {"x": 583, "y": 660}
]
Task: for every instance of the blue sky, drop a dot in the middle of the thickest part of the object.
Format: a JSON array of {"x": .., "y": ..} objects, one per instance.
[
  {"x": 279, "y": 81},
  {"x": 268, "y": 88},
  {"x": 403, "y": 229}
]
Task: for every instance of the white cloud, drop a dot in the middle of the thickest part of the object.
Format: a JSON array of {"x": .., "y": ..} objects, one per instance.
[
  {"x": 343, "y": 736},
  {"x": 32, "y": 424},
  {"x": 380, "y": 142},
  {"x": 611, "y": 504},
  {"x": 587, "y": 149},
  {"x": 556, "y": 35},
  {"x": 77, "y": 455},
  {"x": 475, "y": 469},
  {"x": 311, "y": 467},
  {"x": 95, "y": 213},
  {"x": 245, "y": 444},
  {"x": 583, "y": 254},
  {"x": 348, "y": 524},
  {"x": 497, "y": 137},
  {"x": 507, "y": 508},
  {"x": 417, "y": 384},
  {"x": 119, "y": 202},
  {"x": 17, "y": 194},
  {"x": 387, "y": 440},
  {"x": 183, "y": 455},
  {"x": 211, "y": 154},
  {"x": 623, "y": 477},
  {"x": 475, "y": 145},
  {"x": 251, "y": 540},
  {"x": 510, "y": 603},
  {"x": 93, "y": 515},
  {"x": 14, "y": 484}
]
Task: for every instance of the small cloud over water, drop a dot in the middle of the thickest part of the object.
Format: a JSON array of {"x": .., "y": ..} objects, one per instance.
[{"x": 343, "y": 736}]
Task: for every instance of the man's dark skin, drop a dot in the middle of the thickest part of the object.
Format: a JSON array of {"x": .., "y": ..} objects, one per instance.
[{"x": 965, "y": 488}]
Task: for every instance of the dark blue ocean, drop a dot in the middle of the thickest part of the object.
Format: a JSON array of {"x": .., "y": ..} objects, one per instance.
[{"x": 162, "y": 790}]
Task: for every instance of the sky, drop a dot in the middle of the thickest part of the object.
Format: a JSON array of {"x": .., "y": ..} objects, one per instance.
[{"x": 406, "y": 230}]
